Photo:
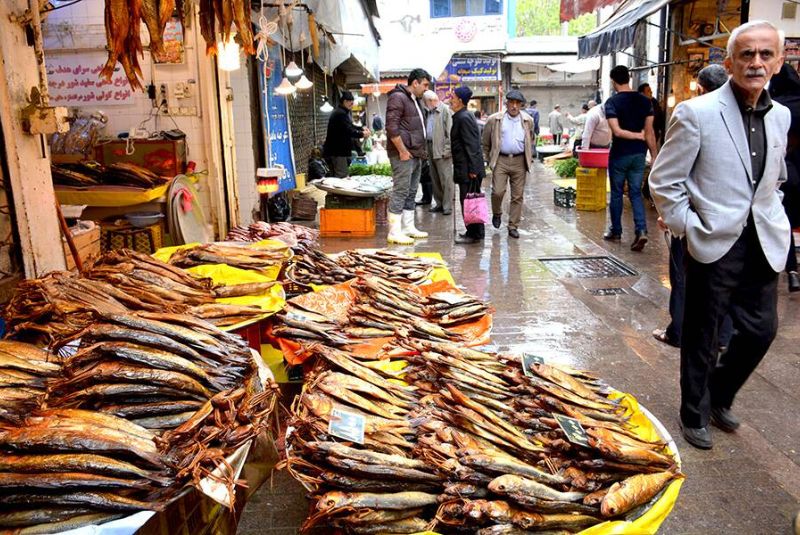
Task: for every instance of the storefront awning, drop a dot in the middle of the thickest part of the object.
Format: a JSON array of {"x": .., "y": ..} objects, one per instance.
[
  {"x": 572, "y": 9},
  {"x": 618, "y": 32},
  {"x": 382, "y": 87},
  {"x": 538, "y": 59},
  {"x": 577, "y": 66}
]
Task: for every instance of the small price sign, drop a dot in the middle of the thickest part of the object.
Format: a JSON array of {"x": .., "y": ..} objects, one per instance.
[
  {"x": 573, "y": 429},
  {"x": 347, "y": 425},
  {"x": 528, "y": 360}
]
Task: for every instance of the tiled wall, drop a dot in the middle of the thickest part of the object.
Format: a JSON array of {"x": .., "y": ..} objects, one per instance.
[
  {"x": 244, "y": 106},
  {"x": 81, "y": 26}
]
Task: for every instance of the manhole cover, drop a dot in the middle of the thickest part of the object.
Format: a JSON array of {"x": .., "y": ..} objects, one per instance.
[
  {"x": 607, "y": 291},
  {"x": 587, "y": 267}
]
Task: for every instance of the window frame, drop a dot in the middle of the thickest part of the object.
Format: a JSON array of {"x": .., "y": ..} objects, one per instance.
[{"x": 450, "y": 10}]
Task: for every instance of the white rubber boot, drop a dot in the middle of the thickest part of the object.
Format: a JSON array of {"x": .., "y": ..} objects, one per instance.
[
  {"x": 396, "y": 234},
  {"x": 408, "y": 225}
]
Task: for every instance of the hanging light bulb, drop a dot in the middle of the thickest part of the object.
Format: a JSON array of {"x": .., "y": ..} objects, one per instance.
[
  {"x": 671, "y": 100},
  {"x": 326, "y": 106},
  {"x": 285, "y": 87},
  {"x": 304, "y": 83},
  {"x": 292, "y": 70},
  {"x": 693, "y": 85},
  {"x": 228, "y": 55}
]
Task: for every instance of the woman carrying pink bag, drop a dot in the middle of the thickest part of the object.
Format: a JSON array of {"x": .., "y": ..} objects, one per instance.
[{"x": 468, "y": 167}]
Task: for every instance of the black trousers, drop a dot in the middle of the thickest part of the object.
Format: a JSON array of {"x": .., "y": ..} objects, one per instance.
[
  {"x": 475, "y": 230},
  {"x": 743, "y": 284}
]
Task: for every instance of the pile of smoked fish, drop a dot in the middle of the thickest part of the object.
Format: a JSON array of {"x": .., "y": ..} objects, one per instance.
[
  {"x": 60, "y": 304},
  {"x": 290, "y": 234},
  {"x": 249, "y": 258},
  {"x": 138, "y": 406},
  {"x": 312, "y": 266},
  {"x": 469, "y": 442},
  {"x": 94, "y": 174},
  {"x": 382, "y": 308}
]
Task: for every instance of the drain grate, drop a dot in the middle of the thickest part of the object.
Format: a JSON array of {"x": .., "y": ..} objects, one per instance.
[
  {"x": 607, "y": 291},
  {"x": 587, "y": 267}
]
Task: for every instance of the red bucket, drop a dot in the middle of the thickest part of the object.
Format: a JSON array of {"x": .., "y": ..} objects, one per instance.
[{"x": 593, "y": 157}]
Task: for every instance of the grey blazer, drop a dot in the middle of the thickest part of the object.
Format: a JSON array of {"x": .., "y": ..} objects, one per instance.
[{"x": 702, "y": 180}]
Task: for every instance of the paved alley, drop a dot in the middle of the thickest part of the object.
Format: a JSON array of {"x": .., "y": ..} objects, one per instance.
[{"x": 748, "y": 483}]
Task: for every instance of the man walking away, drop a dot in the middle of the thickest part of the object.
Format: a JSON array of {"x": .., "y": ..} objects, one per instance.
[
  {"x": 468, "y": 168},
  {"x": 437, "y": 129},
  {"x": 580, "y": 125},
  {"x": 659, "y": 117},
  {"x": 596, "y": 132},
  {"x": 716, "y": 182},
  {"x": 556, "y": 123},
  {"x": 507, "y": 143},
  {"x": 405, "y": 128},
  {"x": 630, "y": 117},
  {"x": 534, "y": 113},
  {"x": 341, "y": 136}
]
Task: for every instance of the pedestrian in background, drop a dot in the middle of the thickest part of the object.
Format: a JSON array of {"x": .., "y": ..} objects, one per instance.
[
  {"x": 507, "y": 143},
  {"x": 341, "y": 136},
  {"x": 630, "y": 118},
  {"x": 377, "y": 123},
  {"x": 405, "y": 129},
  {"x": 709, "y": 79},
  {"x": 534, "y": 113},
  {"x": 659, "y": 117},
  {"x": 468, "y": 168},
  {"x": 556, "y": 123},
  {"x": 437, "y": 128},
  {"x": 596, "y": 132},
  {"x": 785, "y": 88},
  {"x": 580, "y": 124},
  {"x": 716, "y": 182}
]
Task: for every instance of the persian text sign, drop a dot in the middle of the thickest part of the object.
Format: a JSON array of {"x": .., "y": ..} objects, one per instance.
[
  {"x": 473, "y": 70},
  {"x": 74, "y": 80}
]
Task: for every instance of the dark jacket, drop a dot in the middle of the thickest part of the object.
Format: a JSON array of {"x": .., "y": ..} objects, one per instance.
[
  {"x": 465, "y": 142},
  {"x": 341, "y": 133},
  {"x": 784, "y": 87},
  {"x": 377, "y": 123},
  {"x": 403, "y": 119}
]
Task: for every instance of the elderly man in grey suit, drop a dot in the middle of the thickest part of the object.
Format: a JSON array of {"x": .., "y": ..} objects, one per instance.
[{"x": 716, "y": 182}]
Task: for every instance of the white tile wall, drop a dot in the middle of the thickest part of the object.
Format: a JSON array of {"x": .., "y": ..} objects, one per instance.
[{"x": 243, "y": 109}]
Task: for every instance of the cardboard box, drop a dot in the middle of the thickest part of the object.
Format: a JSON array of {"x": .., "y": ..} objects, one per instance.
[
  {"x": 165, "y": 157},
  {"x": 88, "y": 245}
]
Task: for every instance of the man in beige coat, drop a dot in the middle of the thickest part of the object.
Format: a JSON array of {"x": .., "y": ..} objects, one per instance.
[
  {"x": 507, "y": 142},
  {"x": 438, "y": 122}
]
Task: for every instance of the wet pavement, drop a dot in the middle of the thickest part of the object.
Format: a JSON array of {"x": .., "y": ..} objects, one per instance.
[{"x": 749, "y": 483}]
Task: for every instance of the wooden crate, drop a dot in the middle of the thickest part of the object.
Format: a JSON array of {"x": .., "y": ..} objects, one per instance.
[
  {"x": 88, "y": 245},
  {"x": 347, "y": 223}
]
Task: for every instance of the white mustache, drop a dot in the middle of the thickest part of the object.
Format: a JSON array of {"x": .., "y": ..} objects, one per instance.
[{"x": 756, "y": 72}]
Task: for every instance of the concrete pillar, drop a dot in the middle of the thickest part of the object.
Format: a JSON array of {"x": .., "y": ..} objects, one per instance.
[{"x": 27, "y": 156}]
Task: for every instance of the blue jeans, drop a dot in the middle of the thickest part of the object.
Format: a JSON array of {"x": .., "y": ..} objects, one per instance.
[{"x": 628, "y": 168}]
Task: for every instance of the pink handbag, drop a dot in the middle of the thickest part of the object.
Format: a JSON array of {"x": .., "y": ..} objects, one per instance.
[{"x": 475, "y": 210}]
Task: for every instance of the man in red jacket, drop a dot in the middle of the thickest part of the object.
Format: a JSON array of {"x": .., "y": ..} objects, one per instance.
[{"x": 405, "y": 129}]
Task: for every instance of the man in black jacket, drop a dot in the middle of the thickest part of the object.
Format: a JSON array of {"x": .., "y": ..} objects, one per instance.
[
  {"x": 341, "y": 134},
  {"x": 468, "y": 168}
]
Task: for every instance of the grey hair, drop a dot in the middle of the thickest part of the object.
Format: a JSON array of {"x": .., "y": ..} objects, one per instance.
[
  {"x": 712, "y": 77},
  {"x": 753, "y": 24},
  {"x": 429, "y": 94}
]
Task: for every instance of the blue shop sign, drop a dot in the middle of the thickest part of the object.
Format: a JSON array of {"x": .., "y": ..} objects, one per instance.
[
  {"x": 473, "y": 70},
  {"x": 276, "y": 119}
]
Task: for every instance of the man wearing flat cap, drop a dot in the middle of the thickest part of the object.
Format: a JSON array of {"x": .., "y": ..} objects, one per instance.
[
  {"x": 341, "y": 134},
  {"x": 508, "y": 147},
  {"x": 468, "y": 169}
]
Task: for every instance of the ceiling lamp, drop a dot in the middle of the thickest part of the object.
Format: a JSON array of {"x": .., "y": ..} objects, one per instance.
[
  {"x": 228, "y": 55},
  {"x": 326, "y": 106},
  {"x": 693, "y": 85},
  {"x": 292, "y": 70},
  {"x": 285, "y": 87},
  {"x": 304, "y": 83}
]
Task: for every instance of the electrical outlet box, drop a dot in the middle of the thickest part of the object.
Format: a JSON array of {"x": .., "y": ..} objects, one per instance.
[
  {"x": 163, "y": 95},
  {"x": 181, "y": 90}
]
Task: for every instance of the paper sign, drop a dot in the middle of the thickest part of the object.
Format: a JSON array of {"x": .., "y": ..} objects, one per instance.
[
  {"x": 347, "y": 425},
  {"x": 528, "y": 360},
  {"x": 573, "y": 429}
]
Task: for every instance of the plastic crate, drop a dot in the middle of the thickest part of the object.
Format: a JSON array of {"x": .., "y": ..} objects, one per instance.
[
  {"x": 564, "y": 197},
  {"x": 347, "y": 223},
  {"x": 382, "y": 211},
  {"x": 348, "y": 202},
  {"x": 591, "y": 190},
  {"x": 594, "y": 158}
]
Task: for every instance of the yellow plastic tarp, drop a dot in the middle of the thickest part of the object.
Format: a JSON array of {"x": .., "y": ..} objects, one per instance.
[{"x": 109, "y": 195}]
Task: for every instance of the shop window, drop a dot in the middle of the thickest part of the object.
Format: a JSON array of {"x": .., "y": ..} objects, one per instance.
[{"x": 464, "y": 8}]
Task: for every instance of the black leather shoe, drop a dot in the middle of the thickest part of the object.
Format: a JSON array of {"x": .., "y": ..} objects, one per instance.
[
  {"x": 699, "y": 437},
  {"x": 724, "y": 419},
  {"x": 794, "y": 281},
  {"x": 434, "y": 209},
  {"x": 423, "y": 202},
  {"x": 639, "y": 241},
  {"x": 447, "y": 212},
  {"x": 513, "y": 233},
  {"x": 496, "y": 221},
  {"x": 466, "y": 239},
  {"x": 610, "y": 236}
]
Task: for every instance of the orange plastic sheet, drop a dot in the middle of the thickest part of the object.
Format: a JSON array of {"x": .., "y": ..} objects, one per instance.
[{"x": 334, "y": 302}]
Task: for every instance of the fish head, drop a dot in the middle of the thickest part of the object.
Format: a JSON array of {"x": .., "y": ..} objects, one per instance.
[
  {"x": 505, "y": 484},
  {"x": 332, "y": 500}
]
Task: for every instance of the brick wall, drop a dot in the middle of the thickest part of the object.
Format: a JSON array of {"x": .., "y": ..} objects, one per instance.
[{"x": 308, "y": 123}]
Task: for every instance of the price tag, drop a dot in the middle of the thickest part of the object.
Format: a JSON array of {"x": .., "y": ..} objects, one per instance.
[
  {"x": 347, "y": 425},
  {"x": 528, "y": 360},
  {"x": 573, "y": 429}
]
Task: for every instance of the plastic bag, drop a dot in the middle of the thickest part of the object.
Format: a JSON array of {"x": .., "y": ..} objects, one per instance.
[
  {"x": 279, "y": 209},
  {"x": 475, "y": 210}
]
